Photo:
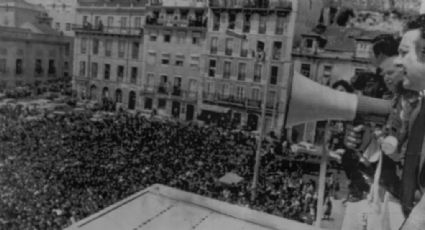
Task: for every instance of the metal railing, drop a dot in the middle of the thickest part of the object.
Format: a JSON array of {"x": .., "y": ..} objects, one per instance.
[
  {"x": 237, "y": 101},
  {"x": 177, "y": 23},
  {"x": 109, "y": 29},
  {"x": 277, "y": 4}
]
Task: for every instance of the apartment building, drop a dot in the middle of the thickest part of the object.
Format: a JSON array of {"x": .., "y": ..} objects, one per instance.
[
  {"x": 248, "y": 54},
  {"x": 175, "y": 33},
  {"x": 108, "y": 54},
  {"x": 31, "y": 52}
]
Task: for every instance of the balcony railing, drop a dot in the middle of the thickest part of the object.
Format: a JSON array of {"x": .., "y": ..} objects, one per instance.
[
  {"x": 277, "y": 4},
  {"x": 189, "y": 23},
  {"x": 175, "y": 92},
  {"x": 236, "y": 101},
  {"x": 132, "y": 31}
]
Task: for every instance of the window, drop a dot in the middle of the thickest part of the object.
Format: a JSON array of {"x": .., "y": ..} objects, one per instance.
[
  {"x": 96, "y": 20},
  {"x": 58, "y": 26},
  {"x": 167, "y": 36},
  {"x": 68, "y": 26},
  {"x": 107, "y": 71},
  {"x": 196, "y": 38},
  {"x": 52, "y": 68},
  {"x": 194, "y": 62},
  {"x": 305, "y": 69},
  {"x": 153, "y": 35},
  {"x": 216, "y": 21},
  {"x": 242, "y": 72},
  {"x": 123, "y": 22},
  {"x": 192, "y": 86},
  {"x": 277, "y": 50},
  {"x": 94, "y": 69},
  {"x": 163, "y": 84},
  {"x": 280, "y": 25},
  {"x": 148, "y": 103},
  {"x": 19, "y": 66},
  {"x": 262, "y": 26},
  {"x": 85, "y": 19},
  {"x": 229, "y": 46},
  {"x": 227, "y": 69},
  {"x": 133, "y": 78},
  {"x": 108, "y": 48},
  {"x": 257, "y": 72},
  {"x": 135, "y": 50},
  {"x": 82, "y": 68},
  {"x": 181, "y": 37},
  {"x": 177, "y": 86},
  {"x": 137, "y": 22},
  {"x": 39, "y": 67},
  {"x": 309, "y": 43},
  {"x": 95, "y": 46},
  {"x": 232, "y": 19},
  {"x": 110, "y": 21},
  {"x": 83, "y": 45},
  {"x": 162, "y": 103},
  {"x": 179, "y": 60},
  {"x": 271, "y": 99},
  {"x": 120, "y": 73},
  {"x": 3, "y": 65},
  {"x": 244, "y": 48},
  {"x": 255, "y": 94},
  {"x": 274, "y": 75},
  {"x": 246, "y": 27},
  {"x": 67, "y": 50},
  {"x": 213, "y": 47},
  {"x": 212, "y": 68},
  {"x": 151, "y": 58},
  {"x": 121, "y": 49},
  {"x": 150, "y": 81},
  {"x": 165, "y": 60},
  {"x": 327, "y": 71},
  {"x": 240, "y": 92}
]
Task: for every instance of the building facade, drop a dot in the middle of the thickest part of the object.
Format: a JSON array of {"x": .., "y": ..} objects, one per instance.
[
  {"x": 30, "y": 51},
  {"x": 247, "y": 61},
  {"x": 108, "y": 54},
  {"x": 62, "y": 12},
  {"x": 175, "y": 33}
]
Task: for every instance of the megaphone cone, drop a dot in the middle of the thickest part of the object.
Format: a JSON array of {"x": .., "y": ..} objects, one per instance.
[{"x": 309, "y": 101}]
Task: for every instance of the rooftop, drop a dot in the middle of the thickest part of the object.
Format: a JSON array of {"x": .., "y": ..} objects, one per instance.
[{"x": 161, "y": 207}]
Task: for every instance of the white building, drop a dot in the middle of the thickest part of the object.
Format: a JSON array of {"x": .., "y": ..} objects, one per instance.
[{"x": 62, "y": 12}]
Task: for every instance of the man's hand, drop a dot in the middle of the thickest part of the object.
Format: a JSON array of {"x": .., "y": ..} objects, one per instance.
[{"x": 354, "y": 137}]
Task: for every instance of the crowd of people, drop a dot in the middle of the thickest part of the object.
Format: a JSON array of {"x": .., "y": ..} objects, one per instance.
[{"x": 63, "y": 167}]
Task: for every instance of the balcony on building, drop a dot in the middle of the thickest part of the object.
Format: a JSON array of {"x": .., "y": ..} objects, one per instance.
[
  {"x": 177, "y": 17},
  {"x": 100, "y": 29},
  {"x": 261, "y": 5},
  {"x": 174, "y": 92}
]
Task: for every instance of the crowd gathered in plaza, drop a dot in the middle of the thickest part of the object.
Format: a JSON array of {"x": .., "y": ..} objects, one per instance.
[{"x": 57, "y": 168}]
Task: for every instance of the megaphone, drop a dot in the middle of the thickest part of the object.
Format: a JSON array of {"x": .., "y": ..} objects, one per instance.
[{"x": 309, "y": 101}]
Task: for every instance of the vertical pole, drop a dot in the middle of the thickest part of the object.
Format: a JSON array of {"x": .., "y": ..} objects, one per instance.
[
  {"x": 322, "y": 177},
  {"x": 260, "y": 139}
]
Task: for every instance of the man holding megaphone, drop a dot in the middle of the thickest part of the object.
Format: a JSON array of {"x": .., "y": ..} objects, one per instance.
[{"x": 412, "y": 114}]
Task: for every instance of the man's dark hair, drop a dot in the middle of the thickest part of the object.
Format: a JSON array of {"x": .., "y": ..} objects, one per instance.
[
  {"x": 348, "y": 88},
  {"x": 385, "y": 44},
  {"x": 417, "y": 22}
]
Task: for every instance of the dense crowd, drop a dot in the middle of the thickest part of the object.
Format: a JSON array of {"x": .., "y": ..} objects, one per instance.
[{"x": 63, "y": 167}]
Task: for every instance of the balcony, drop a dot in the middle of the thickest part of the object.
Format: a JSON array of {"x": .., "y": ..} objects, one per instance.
[
  {"x": 110, "y": 30},
  {"x": 173, "y": 93},
  {"x": 277, "y": 5},
  {"x": 242, "y": 102},
  {"x": 171, "y": 23}
]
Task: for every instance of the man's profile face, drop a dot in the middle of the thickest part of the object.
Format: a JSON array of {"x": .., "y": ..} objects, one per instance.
[
  {"x": 393, "y": 74},
  {"x": 412, "y": 57}
]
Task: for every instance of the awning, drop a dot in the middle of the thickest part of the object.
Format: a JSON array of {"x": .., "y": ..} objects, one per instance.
[
  {"x": 215, "y": 108},
  {"x": 230, "y": 178}
]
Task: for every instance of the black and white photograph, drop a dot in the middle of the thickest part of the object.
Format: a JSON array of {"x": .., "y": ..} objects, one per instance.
[{"x": 212, "y": 114}]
